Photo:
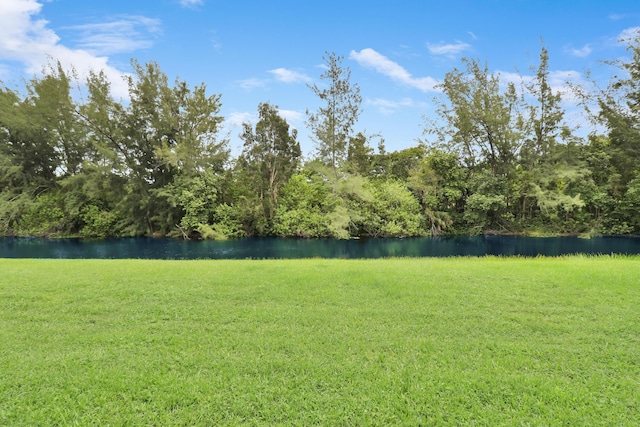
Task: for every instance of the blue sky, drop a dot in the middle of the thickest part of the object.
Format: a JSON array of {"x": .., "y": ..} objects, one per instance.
[{"x": 258, "y": 51}]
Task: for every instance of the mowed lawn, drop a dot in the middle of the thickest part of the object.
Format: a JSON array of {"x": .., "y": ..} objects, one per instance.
[{"x": 455, "y": 341}]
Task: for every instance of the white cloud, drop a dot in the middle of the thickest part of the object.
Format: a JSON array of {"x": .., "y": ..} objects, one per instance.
[
  {"x": 234, "y": 121},
  {"x": 289, "y": 76},
  {"x": 450, "y": 49},
  {"x": 215, "y": 41},
  {"x": 387, "y": 106},
  {"x": 560, "y": 82},
  {"x": 191, "y": 3},
  {"x": 371, "y": 59},
  {"x": 582, "y": 52},
  {"x": 251, "y": 83},
  {"x": 560, "y": 77},
  {"x": 126, "y": 34},
  {"x": 629, "y": 35},
  {"x": 291, "y": 116},
  {"x": 280, "y": 74},
  {"x": 238, "y": 118},
  {"x": 25, "y": 38},
  {"x": 517, "y": 79}
]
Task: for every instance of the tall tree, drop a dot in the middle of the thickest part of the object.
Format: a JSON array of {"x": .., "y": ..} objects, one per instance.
[
  {"x": 332, "y": 125},
  {"x": 545, "y": 116},
  {"x": 270, "y": 155},
  {"x": 12, "y": 121},
  {"x": 40, "y": 135},
  {"x": 539, "y": 154},
  {"x": 161, "y": 143},
  {"x": 481, "y": 121},
  {"x": 620, "y": 113},
  {"x": 42, "y": 143}
]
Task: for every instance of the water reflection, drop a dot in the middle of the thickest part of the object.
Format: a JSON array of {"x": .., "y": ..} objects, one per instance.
[{"x": 274, "y": 248}]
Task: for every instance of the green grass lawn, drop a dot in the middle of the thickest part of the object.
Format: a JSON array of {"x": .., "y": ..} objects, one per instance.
[{"x": 456, "y": 341}]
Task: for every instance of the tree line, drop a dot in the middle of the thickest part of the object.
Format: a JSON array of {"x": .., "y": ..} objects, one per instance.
[{"x": 496, "y": 158}]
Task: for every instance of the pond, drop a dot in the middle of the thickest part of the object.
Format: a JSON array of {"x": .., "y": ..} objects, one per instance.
[{"x": 276, "y": 248}]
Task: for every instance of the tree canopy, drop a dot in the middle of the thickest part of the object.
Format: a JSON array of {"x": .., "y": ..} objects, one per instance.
[{"x": 495, "y": 158}]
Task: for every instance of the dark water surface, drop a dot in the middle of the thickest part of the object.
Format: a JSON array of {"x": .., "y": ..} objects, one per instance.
[{"x": 259, "y": 248}]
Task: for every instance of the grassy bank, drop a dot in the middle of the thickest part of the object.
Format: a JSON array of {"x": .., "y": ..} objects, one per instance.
[{"x": 489, "y": 341}]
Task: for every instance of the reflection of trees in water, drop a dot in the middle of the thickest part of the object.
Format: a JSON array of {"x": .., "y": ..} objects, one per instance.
[{"x": 278, "y": 248}]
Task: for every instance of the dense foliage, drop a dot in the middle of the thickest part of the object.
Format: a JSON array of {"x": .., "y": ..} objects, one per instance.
[{"x": 497, "y": 158}]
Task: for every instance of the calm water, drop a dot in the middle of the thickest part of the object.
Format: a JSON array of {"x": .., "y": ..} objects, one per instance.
[{"x": 257, "y": 248}]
